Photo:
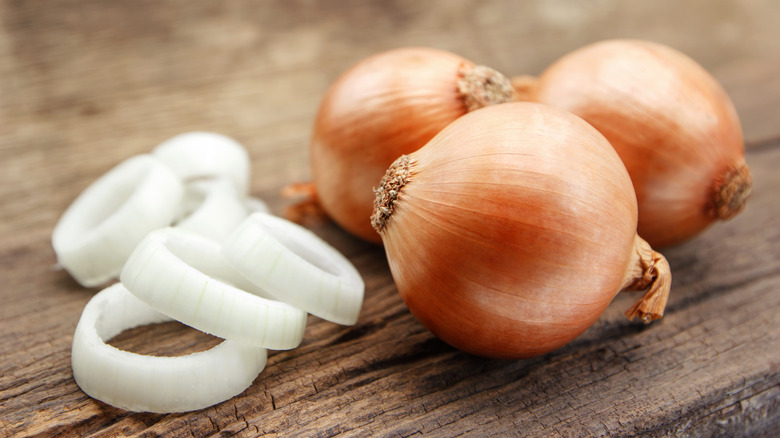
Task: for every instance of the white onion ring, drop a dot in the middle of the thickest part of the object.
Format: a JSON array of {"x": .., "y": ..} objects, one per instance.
[
  {"x": 218, "y": 208},
  {"x": 294, "y": 265},
  {"x": 196, "y": 155},
  {"x": 96, "y": 234},
  {"x": 257, "y": 205},
  {"x": 150, "y": 383},
  {"x": 184, "y": 276}
]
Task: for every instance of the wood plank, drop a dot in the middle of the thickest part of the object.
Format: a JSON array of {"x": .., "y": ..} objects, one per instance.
[
  {"x": 753, "y": 86},
  {"x": 707, "y": 358},
  {"x": 87, "y": 84}
]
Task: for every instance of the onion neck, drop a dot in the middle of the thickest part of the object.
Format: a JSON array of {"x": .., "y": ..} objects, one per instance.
[
  {"x": 731, "y": 192},
  {"x": 525, "y": 87},
  {"x": 306, "y": 209},
  {"x": 648, "y": 270},
  {"x": 395, "y": 178},
  {"x": 482, "y": 86}
]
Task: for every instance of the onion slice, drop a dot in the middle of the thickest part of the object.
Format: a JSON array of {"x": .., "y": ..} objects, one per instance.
[
  {"x": 137, "y": 382},
  {"x": 294, "y": 265},
  {"x": 185, "y": 276},
  {"x": 196, "y": 155},
  {"x": 99, "y": 230},
  {"x": 257, "y": 205},
  {"x": 212, "y": 208}
]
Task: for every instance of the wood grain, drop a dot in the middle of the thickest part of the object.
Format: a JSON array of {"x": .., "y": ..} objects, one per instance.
[{"x": 86, "y": 84}]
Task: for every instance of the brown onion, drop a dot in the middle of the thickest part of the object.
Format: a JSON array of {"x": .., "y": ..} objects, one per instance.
[
  {"x": 512, "y": 230},
  {"x": 672, "y": 124},
  {"x": 388, "y": 105}
]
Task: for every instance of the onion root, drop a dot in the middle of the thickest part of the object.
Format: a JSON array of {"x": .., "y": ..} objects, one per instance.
[
  {"x": 482, "y": 86},
  {"x": 732, "y": 191},
  {"x": 389, "y": 187}
]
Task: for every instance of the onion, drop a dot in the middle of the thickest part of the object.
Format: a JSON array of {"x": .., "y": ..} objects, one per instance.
[
  {"x": 97, "y": 232},
  {"x": 387, "y": 105},
  {"x": 184, "y": 276},
  {"x": 151, "y": 383},
  {"x": 256, "y": 205},
  {"x": 197, "y": 155},
  {"x": 672, "y": 124},
  {"x": 213, "y": 208},
  {"x": 198, "y": 182},
  {"x": 294, "y": 265},
  {"x": 511, "y": 231}
]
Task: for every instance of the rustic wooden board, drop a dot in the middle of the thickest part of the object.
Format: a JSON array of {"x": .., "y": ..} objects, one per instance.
[{"x": 86, "y": 84}]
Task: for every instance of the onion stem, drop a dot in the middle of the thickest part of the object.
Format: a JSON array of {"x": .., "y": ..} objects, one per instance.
[{"x": 650, "y": 271}]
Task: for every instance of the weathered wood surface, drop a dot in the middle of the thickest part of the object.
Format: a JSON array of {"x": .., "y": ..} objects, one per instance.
[{"x": 86, "y": 84}]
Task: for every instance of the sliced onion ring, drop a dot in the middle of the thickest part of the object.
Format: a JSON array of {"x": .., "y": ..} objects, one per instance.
[
  {"x": 184, "y": 276},
  {"x": 218, "y": 208},
  {"x": 151, "y": 383},
  {"x": 196, "y": 155},
  {"x": 257, "y": 205},
  {"x": 99, "y": 230},
  {"x": 295, "y": 266}
]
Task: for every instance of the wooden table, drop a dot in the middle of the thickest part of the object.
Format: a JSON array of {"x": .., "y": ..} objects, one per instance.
[{"x": 86, "y": 84}]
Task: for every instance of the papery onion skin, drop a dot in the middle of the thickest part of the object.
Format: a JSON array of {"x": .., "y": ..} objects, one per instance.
[
  {"x": 387, "y": 105},
  {"x": 512, "y": 230},
  {"x": 672, "y": 124}
]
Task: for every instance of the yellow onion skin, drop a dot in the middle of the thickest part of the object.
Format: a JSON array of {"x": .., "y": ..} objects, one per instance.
[
  {"x": 672, "y": 124},
  {"x": 512, "y": 229},
  {"x": 387, "y": 105}
]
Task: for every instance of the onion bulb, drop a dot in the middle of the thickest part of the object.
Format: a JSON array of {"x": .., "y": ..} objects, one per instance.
[
  {"x": 387, "y": 105},
  {"x": 672, "y": 124},
  {"x": 511, "y": 231}
]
